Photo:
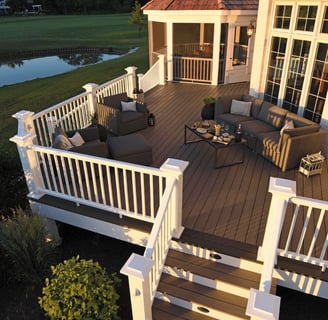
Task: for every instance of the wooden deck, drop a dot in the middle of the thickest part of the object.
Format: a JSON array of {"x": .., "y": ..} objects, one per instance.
[{"x": 231, "y": 202}]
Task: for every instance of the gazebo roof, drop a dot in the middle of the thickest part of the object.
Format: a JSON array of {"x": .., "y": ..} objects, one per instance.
[{"x": 201, "y": 5}]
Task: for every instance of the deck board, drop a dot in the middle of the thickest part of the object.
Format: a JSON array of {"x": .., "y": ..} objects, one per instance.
[{"x": 231, "y": 202}]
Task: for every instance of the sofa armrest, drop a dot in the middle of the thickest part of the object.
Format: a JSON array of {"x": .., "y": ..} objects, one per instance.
[
  {"x": 295, "y": 147},
  {"x": 108, "y": 117},
  {"x": 142, "y": 107}
]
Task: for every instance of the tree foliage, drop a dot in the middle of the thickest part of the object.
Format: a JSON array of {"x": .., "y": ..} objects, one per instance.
[
  {"x": 75, "y": 6},
  {"x": 137, "y": 17}
]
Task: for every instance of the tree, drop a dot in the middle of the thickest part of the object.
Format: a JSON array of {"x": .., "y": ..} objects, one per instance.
[{"x": 137, "y": 17}]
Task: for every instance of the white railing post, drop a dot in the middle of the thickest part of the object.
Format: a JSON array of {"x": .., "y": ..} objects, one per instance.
[
  {"x": 90, "y": 88},
  {"x": 24, "y": 138},
  {"x": 161, "y": 58},
  {"x": 261, "y": 304},
  {"x": 138, "y": 268},
  {"x": 177, "y": 167},
  {"x": 282, "y": 190},
  {"x": 132, "y": 80}
]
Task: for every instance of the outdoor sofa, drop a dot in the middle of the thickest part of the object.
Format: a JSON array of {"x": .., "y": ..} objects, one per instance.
[{"x": 273, "y": 132}]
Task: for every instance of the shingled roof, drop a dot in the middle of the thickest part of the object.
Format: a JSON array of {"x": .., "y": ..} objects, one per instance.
[{"x": 201, "y": 5}]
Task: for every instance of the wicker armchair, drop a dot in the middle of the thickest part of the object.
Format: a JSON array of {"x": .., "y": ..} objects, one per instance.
[{"x": 115, "y": 119}]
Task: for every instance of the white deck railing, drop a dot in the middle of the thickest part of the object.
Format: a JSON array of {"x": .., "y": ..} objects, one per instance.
[
  {"x": 77, "y": 112},
  {"x": 306, "y": 221},
  {"x": 118, "y": 187},
  {"x": 192, "y": 69}
]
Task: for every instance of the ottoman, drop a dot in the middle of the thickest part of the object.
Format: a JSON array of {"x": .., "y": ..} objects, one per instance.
[{"x": 131, "y": 148}]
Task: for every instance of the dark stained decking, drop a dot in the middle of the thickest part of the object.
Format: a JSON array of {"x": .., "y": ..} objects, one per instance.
[{"x": 231, "y": 202}]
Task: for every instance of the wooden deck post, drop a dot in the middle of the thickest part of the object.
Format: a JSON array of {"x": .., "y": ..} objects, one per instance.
[
  {"x": 92, "y": 97},
  {"x": 138, "y": 268},
  {"x": 282, "y": 190},
  {"x": 177, "y": 167}
]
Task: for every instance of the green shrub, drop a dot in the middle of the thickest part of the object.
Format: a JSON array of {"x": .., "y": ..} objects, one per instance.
[
  {"x": 80, "y": 289},
  {"x": 13, "y": 187},
  {"x": 23, "y": 244}
]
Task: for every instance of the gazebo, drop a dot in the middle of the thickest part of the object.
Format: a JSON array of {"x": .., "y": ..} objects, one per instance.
[{"x": 216, "y": 47}]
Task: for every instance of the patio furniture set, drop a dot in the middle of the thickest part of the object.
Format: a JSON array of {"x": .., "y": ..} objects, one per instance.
[
  {"x": 273, "y": 132},
  {"x": 115, "y": 136},
  {"x": 282, "y": 137},
  {"x": 278, "y": 135}
]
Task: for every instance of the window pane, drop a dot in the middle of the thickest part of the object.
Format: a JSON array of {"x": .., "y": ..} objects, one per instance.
[
  {"x": 324, "y": 28},
  {"x": 282, "y": 17},
  {"x": 240, "y": 46},
  {"x": 319, "y": 85},
  {"x": 306, "y": 18},
  {"x": 276, "y": 62},
  {"x": 295, "y": 77}
]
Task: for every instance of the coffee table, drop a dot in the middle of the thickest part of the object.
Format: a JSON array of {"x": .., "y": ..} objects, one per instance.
[{"x": 216, "y": 146}]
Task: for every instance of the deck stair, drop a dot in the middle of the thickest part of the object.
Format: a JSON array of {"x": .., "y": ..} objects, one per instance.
[{"x": 197, "y": 285}]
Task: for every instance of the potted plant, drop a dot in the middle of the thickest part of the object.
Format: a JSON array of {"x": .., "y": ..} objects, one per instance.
[
  {"x": 209, "y": 100},
  {"x": 208, "y": 109}
]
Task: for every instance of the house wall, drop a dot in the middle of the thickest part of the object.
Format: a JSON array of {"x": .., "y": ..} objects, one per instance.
[{"x": 304, "y": 67}]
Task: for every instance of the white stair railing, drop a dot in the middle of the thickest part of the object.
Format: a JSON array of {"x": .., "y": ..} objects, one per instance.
[
  {"x": 154, "y": 76},
  {"x": 145, "y": 271}
]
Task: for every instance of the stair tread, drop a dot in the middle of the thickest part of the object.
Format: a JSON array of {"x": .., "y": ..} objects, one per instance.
[
  {"x": 163, "y": 310},
  {"x": 203, "y": 295},
  {"x": 212, "y": 269},
  {"x": 219, "y": 244}
]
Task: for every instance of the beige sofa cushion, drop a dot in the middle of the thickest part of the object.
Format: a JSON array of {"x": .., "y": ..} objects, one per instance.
[{"x": 242, "y": 108}]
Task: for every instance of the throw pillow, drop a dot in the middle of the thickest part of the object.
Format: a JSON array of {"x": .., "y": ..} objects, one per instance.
[
  {"x": 288, "y": 125},
  {"x": 77, "y": 140},
  {"x": 242, "y": 108},
  {"x": 60, "y": 130},
  {"x": 129, "y": 106},
  {"x": 62, "y": 142}
]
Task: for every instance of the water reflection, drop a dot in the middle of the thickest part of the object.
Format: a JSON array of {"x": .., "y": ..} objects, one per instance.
[{"x": 20, "y": 70}]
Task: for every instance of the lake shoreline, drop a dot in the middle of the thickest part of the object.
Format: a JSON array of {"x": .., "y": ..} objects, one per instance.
[{"x": 55, "y": 52}]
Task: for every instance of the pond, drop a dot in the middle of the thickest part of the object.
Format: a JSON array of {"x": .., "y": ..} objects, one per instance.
[{"x": 19, "y": 70}]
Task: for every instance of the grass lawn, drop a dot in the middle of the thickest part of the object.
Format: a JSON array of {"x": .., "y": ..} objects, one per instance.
[{"x": 46, "y": 32}]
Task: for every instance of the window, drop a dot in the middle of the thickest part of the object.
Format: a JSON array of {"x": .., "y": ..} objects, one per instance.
[
  {"x": 295, "y": 74},
  {"x": 240, "y": 46},
  {"x": 306, "y": 18},
  {"x": 276, "y": 63},
  {"x": 324, "y": 28},
  {"x": 319, "y": 85},
  {"x": 282, "y": 17}
]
